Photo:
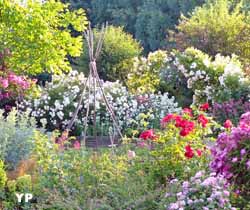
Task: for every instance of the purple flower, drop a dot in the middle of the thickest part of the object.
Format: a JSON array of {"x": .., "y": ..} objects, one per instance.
[
  {"x": 235, "y": 159},
  {"x": 248, "y": 164},
  {"x": 242, "y": 152}
]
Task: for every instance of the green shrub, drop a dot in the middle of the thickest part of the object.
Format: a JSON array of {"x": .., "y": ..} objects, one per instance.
[
  {"x": 16, "y": 137},
  {"x": 216, "y": 27},
  {"x": 119, "y": 48}
]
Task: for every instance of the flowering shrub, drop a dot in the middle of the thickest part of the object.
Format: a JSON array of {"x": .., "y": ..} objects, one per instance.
[
  {"x": 13, "y": 87},
  {"x": 201, "y": 192},
  {"x": 231, "y": 155},
  {"x": 182, "y": 140},
  {"x": 147, "y": 69},
  {"x": 59, "y": 99},
  {"x": 218, "y": 80},
  {"x": 157, "y": 73},
  {"x": 231, "y": 109}
]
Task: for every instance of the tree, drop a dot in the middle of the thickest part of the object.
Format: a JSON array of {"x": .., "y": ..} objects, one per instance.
[
  {"x": 217, "y": 27},
  {"x": 147, "y": 20},
  {"x": 39, "y": 35}
]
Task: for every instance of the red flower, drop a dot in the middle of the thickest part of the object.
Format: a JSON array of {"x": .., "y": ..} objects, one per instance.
[
  {"x": 203, "y": 120},
  {"x": 184, "y": 132},
  {"x": 199, "y": 152},
  {"x": 148, "y": 134},
  {"x": 228, "y": 124},
  {"x": 187, "y": 111},
  {"x": 189, "y": 153},
  {"x": 167, "y": 119},
  {"x": 187, "y": 127},
  {"x": 204, "y": 107}
]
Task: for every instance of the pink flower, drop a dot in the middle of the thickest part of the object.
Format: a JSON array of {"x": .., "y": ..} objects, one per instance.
[
  {"x": 141, "y": 144},
  {"x": 228, "y": 124},
  {"x": 4, "y": 83},
  {"x": 199, "y": 152},
  {"x": 148, "y": 134},
  {"x": 77, "y": 145},
  {"x": 131, "y": 154},
  {"x": 188, "y": 111}
]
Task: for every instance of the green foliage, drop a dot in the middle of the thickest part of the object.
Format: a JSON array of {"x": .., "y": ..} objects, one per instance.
[
  {"x": 148, "y": 21},
  {"x": 3, "y": 177},
  {"x": 16, "y": 137},
  {"x": 206, "y": 29},
  {"x": 39, "y": 35},
  {"x": 119, "y": 48}
]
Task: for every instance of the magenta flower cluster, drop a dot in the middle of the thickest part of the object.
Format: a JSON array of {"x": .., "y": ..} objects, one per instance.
[{"x": 231, "y": 154}]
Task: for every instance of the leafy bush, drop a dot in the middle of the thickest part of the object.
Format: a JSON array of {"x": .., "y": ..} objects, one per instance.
[
  {"x": 230, "y": 156},
  {"x": 119, "y": 48},
  {"x": 39, "y": 35},
  {"x": 206, "y": 29},
  {"x": 16, "y": 137},
  {"x": 59, "y": 98},
  {"x": 203, "y": 191}
]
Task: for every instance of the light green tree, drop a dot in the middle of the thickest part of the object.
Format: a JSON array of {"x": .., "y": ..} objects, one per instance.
[
  {"x": 219, "y": 26},
  {"x": 39, "y": 35}
]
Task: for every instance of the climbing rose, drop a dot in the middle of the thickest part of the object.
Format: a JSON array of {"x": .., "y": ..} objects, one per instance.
[
  {"x": 148, "y": 134},
  {"x": 204, "y": 107},
  {"x": 228, "y": 124}
]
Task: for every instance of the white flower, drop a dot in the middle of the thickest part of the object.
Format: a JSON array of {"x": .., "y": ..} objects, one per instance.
[{"x": 193, "y": 65}]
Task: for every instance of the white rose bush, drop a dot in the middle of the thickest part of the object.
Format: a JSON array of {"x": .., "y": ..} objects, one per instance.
[{"x": 59, "y": 100}]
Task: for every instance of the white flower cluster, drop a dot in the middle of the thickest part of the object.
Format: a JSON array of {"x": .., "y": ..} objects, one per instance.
[
  {"x": 59, "y": 101},
  {"x": 205, "y": 76}
]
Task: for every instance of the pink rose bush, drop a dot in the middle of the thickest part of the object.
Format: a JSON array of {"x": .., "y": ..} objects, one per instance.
[
  {"x": 12, "y": 86},
  {"x": 231, "y": 155}
]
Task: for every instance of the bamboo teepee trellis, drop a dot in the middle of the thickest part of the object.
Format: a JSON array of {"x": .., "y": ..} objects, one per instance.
[{"x": 92, "y": 83}]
